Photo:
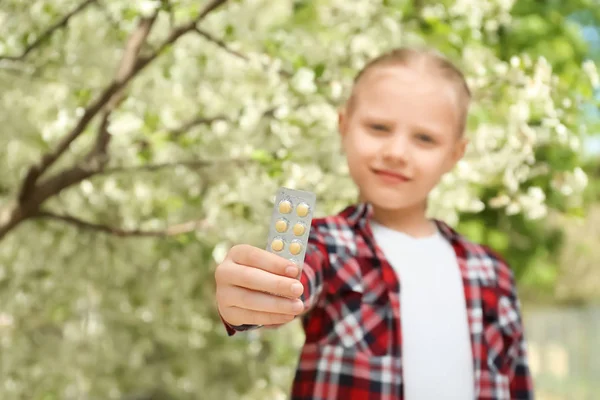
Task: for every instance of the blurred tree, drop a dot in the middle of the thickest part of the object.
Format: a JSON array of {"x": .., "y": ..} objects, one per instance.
[
  {"x": 553, "y": 30},
  {"x": 170, "y": 123}
]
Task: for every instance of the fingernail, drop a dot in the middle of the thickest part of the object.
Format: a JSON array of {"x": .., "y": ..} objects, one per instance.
[
  {"x": 297, "y": 288},
  {"x": 291, "y": 271},
  {"x": 298, "y": 306}
]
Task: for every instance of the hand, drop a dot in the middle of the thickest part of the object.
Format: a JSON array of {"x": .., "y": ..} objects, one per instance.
[{"x": 256, "y": 287}]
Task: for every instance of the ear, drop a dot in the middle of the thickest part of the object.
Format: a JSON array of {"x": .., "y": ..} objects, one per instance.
[
  {"x": 461, "y": 148},
  {"x": 342, "y": 121},
  {"x": 458, "y": 152}
]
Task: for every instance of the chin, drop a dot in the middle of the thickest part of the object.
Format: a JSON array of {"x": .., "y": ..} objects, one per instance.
[{"x": 390, "y": 199}]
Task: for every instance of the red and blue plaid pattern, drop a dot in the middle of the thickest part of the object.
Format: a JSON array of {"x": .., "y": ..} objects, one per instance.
[{"x": 353, "y": 329}]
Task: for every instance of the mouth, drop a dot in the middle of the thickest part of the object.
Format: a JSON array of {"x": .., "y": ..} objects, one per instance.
[{"x": 390, "y": 176}]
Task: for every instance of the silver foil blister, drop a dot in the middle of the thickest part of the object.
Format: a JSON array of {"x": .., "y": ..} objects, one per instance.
[{"x": 291, "y": 219}]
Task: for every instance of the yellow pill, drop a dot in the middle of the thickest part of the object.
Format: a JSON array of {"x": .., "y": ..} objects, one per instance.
[
  {"x": 299, "y": 229},
  {"x": 277, "y": 245},
  {"x": 302, "y": 210},
  {"x": 285, "y": 207},
  {"x": 295, "y": 248},
  {"x": 281, "y": 226}
]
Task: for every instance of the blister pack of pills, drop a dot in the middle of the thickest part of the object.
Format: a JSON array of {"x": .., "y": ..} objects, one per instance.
[{"x": 290, "y": 224}]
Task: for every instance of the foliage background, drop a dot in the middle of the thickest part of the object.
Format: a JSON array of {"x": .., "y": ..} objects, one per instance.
[{"x": 140, "y": 140}]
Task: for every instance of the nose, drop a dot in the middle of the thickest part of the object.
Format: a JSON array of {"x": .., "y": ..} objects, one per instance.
[{"x": 395, "y": 149}]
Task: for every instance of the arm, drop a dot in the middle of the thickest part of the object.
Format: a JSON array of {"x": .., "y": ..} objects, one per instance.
[
  {"x": 521, "y": 382},
  {"x": 312, "y": 276}
]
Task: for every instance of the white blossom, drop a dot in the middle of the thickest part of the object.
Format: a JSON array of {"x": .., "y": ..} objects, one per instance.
[
  {"x": 304, "y": 82},
  {"x": 499, "y": 201},
  {"x": 220, "y": 127},
  {"x": 269, "y": 101},
  {"x": 125, "y": 123},
  {"x": 148, "y": 7}
]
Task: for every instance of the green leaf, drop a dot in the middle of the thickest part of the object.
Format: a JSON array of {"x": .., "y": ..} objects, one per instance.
[
  {"x": 261, "y": 155},
  {"x": 229, "y": 31},
  {"x": 319, "y": 69}
]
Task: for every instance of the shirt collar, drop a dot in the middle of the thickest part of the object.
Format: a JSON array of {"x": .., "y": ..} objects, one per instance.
[{"x": 358, "y": 215}]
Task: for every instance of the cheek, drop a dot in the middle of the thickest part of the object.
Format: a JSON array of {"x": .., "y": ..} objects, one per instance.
[
  {"x": 359, "y": 152},
  {"x": 433, "y": 165},
  {"x": 360, "y": 147}
]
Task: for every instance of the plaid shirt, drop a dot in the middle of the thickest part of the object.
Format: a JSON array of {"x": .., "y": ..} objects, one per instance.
[{"x": 353, "y": 347}]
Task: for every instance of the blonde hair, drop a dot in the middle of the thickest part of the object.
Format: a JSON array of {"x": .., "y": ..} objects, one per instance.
[{"x": 424, "y": 59}]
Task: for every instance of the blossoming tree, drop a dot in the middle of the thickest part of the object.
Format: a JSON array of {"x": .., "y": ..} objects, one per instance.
[{"x": 141, "y": 139}]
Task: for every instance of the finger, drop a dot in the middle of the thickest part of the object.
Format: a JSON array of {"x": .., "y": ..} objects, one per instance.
[
  {"x": 241, "y": 316},
  {"x": 232, "y": 274},
  {"x": 260, "y": 280},
  {"x": 258, "y": 301},
  {"x": 258, "y": 258}
]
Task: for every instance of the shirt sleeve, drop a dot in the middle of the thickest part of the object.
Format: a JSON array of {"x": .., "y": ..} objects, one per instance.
[
  {"x": 313, "y": 271},
  {"x": 521, "y": 382},
  {"x": 311, "y": 277}
]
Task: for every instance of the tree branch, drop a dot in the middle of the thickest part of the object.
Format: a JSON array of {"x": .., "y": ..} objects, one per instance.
[
  {"x": 172, "y": 230},
  {"x": 221, "y": 44},
  {"x": 133, "y": 47},
  {"x": 210, "y": 7},
  {"x": 130, "y": 66},
  {"x": 187, "y": 164},
  {"x": 126, "y": 67},
  {"x": 195, "y": 122},
  {"x": 48, "y": 32},
  {"x": 31, "y": 194},
  {"x": 36, "y": 170},
  {"x": 55, "y": 184},
  {"x": 180, "y": 31},
  {"x": 109, "y": 99}
]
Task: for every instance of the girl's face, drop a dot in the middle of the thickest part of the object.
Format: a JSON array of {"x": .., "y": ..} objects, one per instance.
[{"x": 400, "y": 134}]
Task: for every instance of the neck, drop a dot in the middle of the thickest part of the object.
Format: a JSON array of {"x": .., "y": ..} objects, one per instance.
[{"x": 412, "y": 221}]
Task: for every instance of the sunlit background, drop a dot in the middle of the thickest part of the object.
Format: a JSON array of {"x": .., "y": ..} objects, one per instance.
[{"x": 139, "y": 140}]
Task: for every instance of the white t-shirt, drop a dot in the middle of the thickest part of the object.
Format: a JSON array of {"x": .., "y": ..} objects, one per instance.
[{"x": 436, "y": 349}]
